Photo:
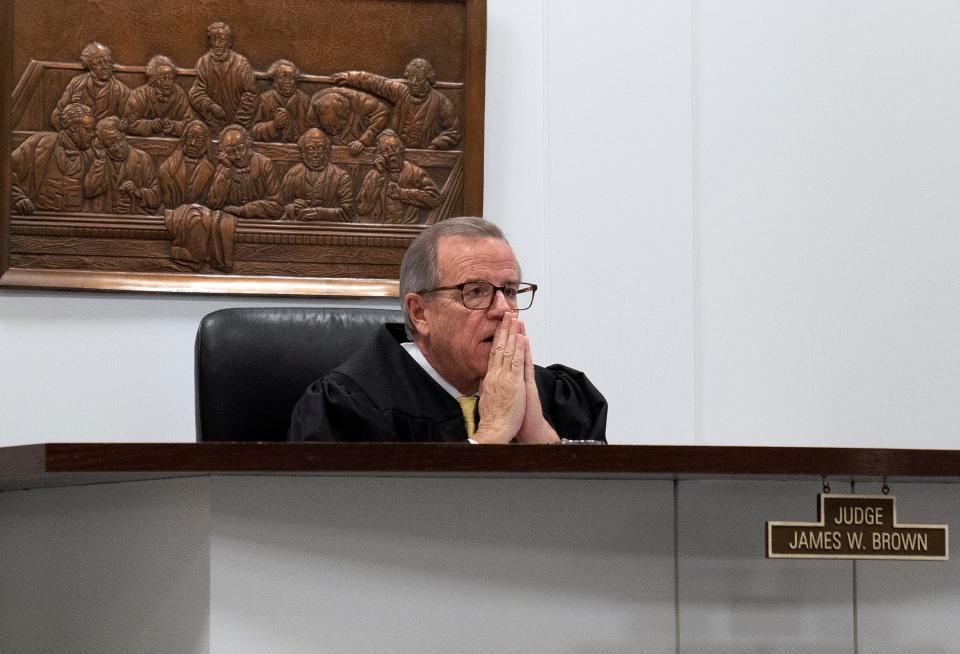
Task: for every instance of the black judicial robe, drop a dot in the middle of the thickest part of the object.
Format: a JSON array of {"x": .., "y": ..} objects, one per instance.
[{"x": 381, "y": 394}]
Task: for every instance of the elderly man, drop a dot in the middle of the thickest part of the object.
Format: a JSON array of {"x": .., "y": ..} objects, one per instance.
[
  {"x": 122, "y": 178},
  {"x": 48, "y": 169},
  {"x": 224, "y": 91},
  {"x": 349, "y": 117},
  {"x": 282, "y": 114},
  {"x": 461, "y": 292},
  {"x": 422, "y": 116},
  {"x": 396, "y": 191},
  {"x": 186, "y": 174},
  {"x": 245, "y": 183},
  {"x": 316, "y": 189},
  {"x": 159, "y": 107},
  {"x": 97, "y": 88}
]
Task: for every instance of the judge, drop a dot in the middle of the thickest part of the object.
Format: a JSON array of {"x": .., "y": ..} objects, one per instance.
[{"x": 463, "y": 368}]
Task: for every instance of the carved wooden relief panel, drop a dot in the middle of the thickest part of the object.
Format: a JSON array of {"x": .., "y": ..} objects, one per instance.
[{"x": 289, "y": 147}]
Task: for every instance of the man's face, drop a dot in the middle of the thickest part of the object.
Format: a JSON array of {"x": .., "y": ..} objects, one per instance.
[
  {"x": 234, "y": 146},
  {"x": 81, "y": 133},
  {"x": 101, "y": 64},
  {"x": 391, "y": 150},
  {"x": 418, "y": 83},
  {"x": 457, "y": 341},
  {"x": 285, "y": 80},
  {"x": 115, "y": 142},
  {"x": 219, "y": 43},
  {"x": 314, "y": 151},
  {"x": 194, "y": 142},
  {"x": 163, "y": 80}
]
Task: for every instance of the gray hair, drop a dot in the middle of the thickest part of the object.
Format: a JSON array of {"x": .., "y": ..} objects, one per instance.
[
  {"x": 419, "y": 270},
  {"x": 157, "y": 61}
]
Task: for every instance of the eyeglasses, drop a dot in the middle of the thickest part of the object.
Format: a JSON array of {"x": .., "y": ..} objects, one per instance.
[{"x": 480, "y": 295}]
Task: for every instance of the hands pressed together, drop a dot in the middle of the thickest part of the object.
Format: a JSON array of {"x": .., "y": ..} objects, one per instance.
[{"x": 509, "y": 402}]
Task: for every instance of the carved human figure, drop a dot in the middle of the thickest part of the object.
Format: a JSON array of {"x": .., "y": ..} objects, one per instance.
[
  {"x": 316, "y": 189},
  {"x": 422, "y": 116},
  {"x": 282, "y": 113},
  {"x": 121, "y": 179},
  {"x": 47, "y": 170},
  {"x": 396, "y": 190},
  {"x": 349, "y": 117},
  {"x": 97, "y": 88},
  {"x": 159, "y": 107},
  {"x": 185, "y": 175},
  {"x": 224, "y": 91},
  {"x": 244, "y": 183}
]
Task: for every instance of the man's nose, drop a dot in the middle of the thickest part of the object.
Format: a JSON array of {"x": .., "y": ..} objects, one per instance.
[{"x": 499, "y": 306}]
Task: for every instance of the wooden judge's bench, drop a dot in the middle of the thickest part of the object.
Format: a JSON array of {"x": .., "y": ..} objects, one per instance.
[{"x": 293, "y": 547}]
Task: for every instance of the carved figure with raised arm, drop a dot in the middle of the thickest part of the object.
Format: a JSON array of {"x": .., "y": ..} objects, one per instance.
[
  {"x": 423, "y": 117},
  {"x": 244, "y": 183},
  {"x": 396, "y": 190},
  {"x": 122, "y": 179}
]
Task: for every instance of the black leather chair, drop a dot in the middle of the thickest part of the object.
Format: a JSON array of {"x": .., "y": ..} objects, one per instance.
[{"x": 253, "y": 364}]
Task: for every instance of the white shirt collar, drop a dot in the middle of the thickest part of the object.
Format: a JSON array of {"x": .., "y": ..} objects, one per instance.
[{"x": 417, "y": 355}]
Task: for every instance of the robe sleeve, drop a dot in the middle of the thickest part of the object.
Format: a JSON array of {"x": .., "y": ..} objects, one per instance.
[
  {"x": 335, "y": 409},
  {"x": 571, "y": 404}
]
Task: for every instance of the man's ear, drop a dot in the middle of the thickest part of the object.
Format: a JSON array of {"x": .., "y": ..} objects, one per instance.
[{"x": 416, "y": 309}]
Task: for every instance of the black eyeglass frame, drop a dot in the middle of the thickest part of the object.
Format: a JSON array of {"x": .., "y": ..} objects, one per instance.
[{"x": 523, "y": 287}]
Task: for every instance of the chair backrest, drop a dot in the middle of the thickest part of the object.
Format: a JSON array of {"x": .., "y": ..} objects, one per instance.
[{"x": 253, "y": 364}]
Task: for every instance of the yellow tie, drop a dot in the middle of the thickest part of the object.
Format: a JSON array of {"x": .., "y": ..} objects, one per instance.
[{"x": 468, "y": 404}]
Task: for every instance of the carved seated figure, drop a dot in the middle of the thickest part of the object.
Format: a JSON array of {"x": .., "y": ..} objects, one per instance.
[
  {"x": 282, "y": 113},
  {"x": 47, "y": 170},
  {"x": 348, "y": 117},
  {"x": 396, "y": 191},
  {"x": 185, "y": 175},
  {"x": 422, "y": 116},
  {"x": 159, "y": 107},
  {"x": 316, "y": 189},
  {"x": 97, "y": 88},
  {"x": 122, "y": 179},
  {"x": 244, "y": 183}
]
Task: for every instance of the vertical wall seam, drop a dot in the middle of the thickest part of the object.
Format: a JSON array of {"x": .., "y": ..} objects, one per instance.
[
  {"x": 855, "y": 591},
  {"x": 696, "y": 281},
  {"x": 545, "y": 174},
  {"x": 676, "y": 565}
]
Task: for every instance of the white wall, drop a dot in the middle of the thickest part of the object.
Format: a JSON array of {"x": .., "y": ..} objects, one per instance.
[{"x": 743, "y": 216}]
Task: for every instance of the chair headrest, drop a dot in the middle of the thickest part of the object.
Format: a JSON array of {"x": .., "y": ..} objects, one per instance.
[{"x": 253, "y": 364}]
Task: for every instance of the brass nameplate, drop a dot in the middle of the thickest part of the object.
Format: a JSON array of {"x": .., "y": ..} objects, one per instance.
[{"x": 856, "y": 527}]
